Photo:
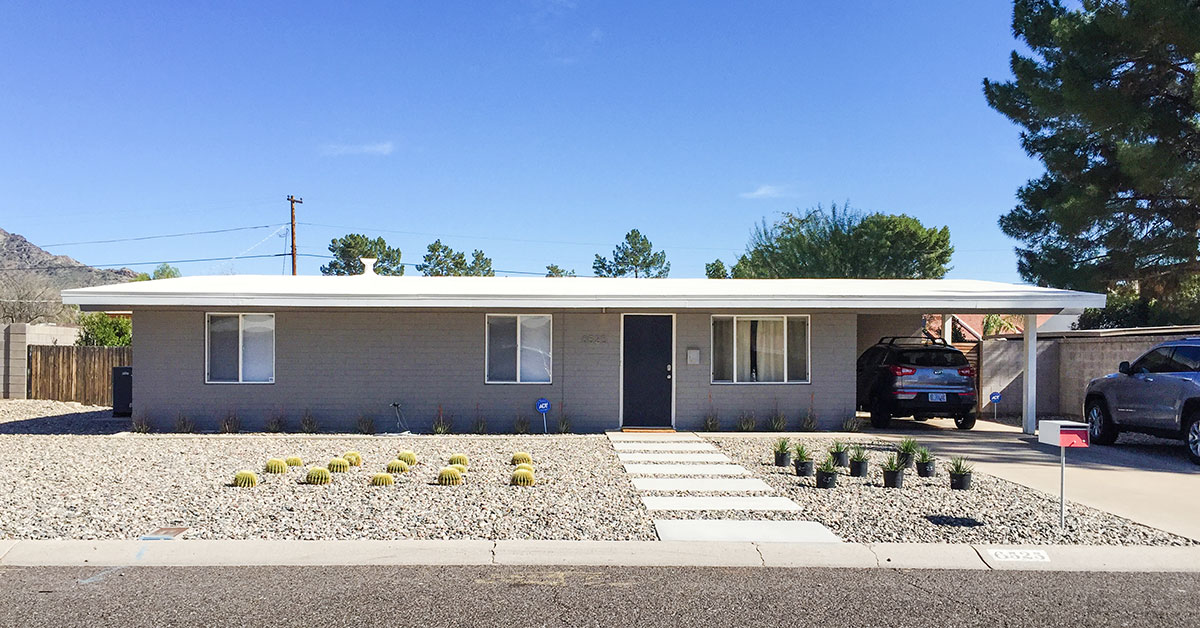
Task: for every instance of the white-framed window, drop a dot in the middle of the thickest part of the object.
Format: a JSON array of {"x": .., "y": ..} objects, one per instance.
[
  {"x": 518, "y": 349},
  {"x": 239, "y": 348},
  {"x": 760, "y": 349}
]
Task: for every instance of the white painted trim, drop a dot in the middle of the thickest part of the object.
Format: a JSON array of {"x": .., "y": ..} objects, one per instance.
[
  {"x": 241, "y": 341},
  {"x": 487, "y": 354},
  {"x": 784, "y": 316},
  {"x": 621, "y": 371}
]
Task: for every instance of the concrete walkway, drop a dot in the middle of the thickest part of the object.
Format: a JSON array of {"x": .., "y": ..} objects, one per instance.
[
  {"x": 111, "y": 556},
  {"x": 1152, "y": 483}
]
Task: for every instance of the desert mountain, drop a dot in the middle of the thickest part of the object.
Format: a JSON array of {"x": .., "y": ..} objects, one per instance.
[{"x": 60, "y": 271}]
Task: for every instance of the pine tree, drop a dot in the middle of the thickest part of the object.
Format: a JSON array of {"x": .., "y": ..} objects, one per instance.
[
  {"x": 350, "y": 248},
  {"x": 636, "y": 256}
]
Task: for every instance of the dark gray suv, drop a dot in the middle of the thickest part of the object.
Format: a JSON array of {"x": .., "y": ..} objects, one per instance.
[
  {"x": 1159, "y": 394},
  {"x": 918, "y": 377}
]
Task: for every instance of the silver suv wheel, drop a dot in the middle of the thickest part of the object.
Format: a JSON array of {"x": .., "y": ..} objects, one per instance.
[
  {"x": 1193, "y": 438},
  {"x": 1095, "y": 420}
]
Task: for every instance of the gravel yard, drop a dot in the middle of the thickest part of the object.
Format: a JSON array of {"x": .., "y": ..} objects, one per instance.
[{"x": 926, "y": 510}]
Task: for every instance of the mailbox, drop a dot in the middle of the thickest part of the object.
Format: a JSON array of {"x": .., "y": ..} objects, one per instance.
[{"x": 1063, "y": 433}]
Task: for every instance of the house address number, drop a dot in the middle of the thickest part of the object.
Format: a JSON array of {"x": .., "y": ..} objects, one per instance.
[
  {"x": 1038, "y": 556},
  {"x": 595, "y": 339}
]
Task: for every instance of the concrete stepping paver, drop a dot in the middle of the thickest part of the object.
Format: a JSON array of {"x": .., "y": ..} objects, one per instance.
[
  {"x": 635, "y": 468},
  {"x": 673, "y": 457},
  {"x": 683, "y": 485},
  {"x": 652, "y": 437},
  {"x": 685, "y": 446},
  {"x": 741, "y": 530},
  {"x": 719, "y": 503}
]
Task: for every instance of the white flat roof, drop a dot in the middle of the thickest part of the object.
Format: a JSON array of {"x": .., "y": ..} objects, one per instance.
[{"x": 928, "y": 295}]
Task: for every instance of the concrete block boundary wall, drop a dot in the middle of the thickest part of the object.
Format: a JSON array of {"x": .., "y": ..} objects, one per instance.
[
  {"x": 15, "y": 339},
  {"x": 1066, "y": 363}
]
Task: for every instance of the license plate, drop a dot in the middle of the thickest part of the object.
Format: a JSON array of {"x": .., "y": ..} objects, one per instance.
[{"x": 937, "y": 397}]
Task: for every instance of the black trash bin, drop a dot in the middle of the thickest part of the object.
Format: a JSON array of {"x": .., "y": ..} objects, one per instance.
[{"x": 122, "y": 398}]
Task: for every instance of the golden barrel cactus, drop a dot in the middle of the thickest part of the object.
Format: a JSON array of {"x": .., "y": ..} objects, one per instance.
[
  {"x": 353, "y": 457},
  {"x": 522, "y": 477},
  {"x": 459, "y": 459},
  {"x": 526, "y": 466},
  {"x": 245, "y": 479},
  {"x": 339, "y": 465},
  {"x": 294, "y": 461},
  {"x": 318, "y": 475},
  {"x": 275, "y": 465},
  {"x": 397, "y": 466},
  {"x": 408, "y": 457},
  {"x": 521, "y": 458},
  {"x": 449, "y": 476},
  {"x": 382, "y": 479}
]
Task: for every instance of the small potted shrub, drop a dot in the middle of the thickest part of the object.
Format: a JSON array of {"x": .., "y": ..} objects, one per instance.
[
  {"x": 925, "y": 465},
  {"x": 840, "y": 454},
  {"x": 783, "y": 453},
  {"x": 827, "y": 474},
  {"x": 802, "y": 460},
  {"x": 858, "y": 461},
  {"x": 960, "y": 473},
  {"x": 906, "y": 451},
  {"x": 893, "y": 472}
]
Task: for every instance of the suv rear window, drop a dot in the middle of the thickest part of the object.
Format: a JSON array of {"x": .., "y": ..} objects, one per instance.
[{"x": 927, "y": 357}]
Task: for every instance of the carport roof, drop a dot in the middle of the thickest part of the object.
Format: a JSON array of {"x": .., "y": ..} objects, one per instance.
[{"x": 925, "y": 295}]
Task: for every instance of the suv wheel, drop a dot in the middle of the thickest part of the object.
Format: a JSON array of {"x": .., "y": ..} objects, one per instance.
[
  {"x": 1100, "y": 425},
  {"x": 1192, "y": 436},
  {"x": 881, "y": 416},
  {"x": 965, "y": 421}
]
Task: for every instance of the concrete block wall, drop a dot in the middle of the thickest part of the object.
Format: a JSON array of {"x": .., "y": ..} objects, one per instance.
[
  {"x": 1002, "y": 370},
  {"x": 15, "y": 339}
]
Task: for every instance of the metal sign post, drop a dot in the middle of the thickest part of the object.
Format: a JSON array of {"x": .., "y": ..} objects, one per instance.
[
  {"x": 1064, "y": 434},
  {"x": 543, "y": 406},
  {"x": 995, "y": 399}
]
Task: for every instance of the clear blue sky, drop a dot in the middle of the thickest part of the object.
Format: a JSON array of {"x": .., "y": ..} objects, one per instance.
[{"x": 540, "y": 131}]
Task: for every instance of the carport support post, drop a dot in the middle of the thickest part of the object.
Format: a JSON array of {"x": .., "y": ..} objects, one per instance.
[
  {"x": 948, "y": 328},
  {"x": 1029, "y": 396}
]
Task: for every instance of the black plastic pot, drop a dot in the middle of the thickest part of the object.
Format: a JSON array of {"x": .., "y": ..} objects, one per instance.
[
  {"x": 905, "y": 459},
  {"x": 858, "y": 468},
  {"x": 826, "y": 479},
  {"x": 841, "y": 458},
  {"x": 804, "y": 468},
  {"x": 783, "y": 459},
  {"x": 926, "y": 469},
  {"x": 893, "y": 479},
  {"x": 960, "y": 481}
]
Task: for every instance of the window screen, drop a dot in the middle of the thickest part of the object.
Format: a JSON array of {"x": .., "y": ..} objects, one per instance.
[
  {"x": 759, "y": 349},
  {"x": 241, "y": 348},
  {"x": 519, "y": 349}
]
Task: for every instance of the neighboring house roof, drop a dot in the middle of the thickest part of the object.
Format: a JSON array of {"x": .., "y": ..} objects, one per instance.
[{"x": 954, "y": 295}]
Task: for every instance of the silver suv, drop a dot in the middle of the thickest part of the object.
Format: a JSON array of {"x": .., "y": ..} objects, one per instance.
[{"x": 1158, "y": 394}]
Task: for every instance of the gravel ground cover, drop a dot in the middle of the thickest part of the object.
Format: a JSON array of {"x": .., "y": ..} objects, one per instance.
[
  {"x": 124, "y": 486},
  {"x": 925, "y": 510}
]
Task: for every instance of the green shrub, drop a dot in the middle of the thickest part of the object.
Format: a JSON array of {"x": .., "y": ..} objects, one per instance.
[
  {"x": 521, "y": 424},
  {"x": 397, "y": 466},
  {"x": 382, "y": 479},
  {"x": 852, "y": 424},
  {"x": 443, "y": 423},
  {"x": 318, "y": 475},
  {"x": 353, "y": 458},
  {"x": 747, "y": 423},
  {"x": 245, "y": 479},
  {"x": 339, "y": 465},
  {"x": 408, "y": 457},
  {"x": 923, "y": 455},
  {"x": 479, "y": 426},
  {"x": 908, "y": 446},
  {"x": 521, "y": 457},
  {"x": 564, "y": 424},
  {"x": 778, "y": 422},
  {"x": 97, "y": 329},
  {"x": 827, "y": 466},
  {"x": 712, "y": 423},
  {"x": 275, "y": 423},
  {"x": 522, "y": 477},
  {"x": 960, "y": 466},
  {"x": 275, "y": 465},
  {"x": 800, "y": 453},
  {"x": 459, "y": 459},
  {"x": 230, "y": 423},
  {"x": 184, "y": 425},
  {"x": 809, "y": 424},
  {"x": 858, "y": 453},
  {"x": 892, "y": 463},
  {"x": 309, "y": 424},
  {"x": 365, "y": 425},
  {"x": 293, "y": 461},
  {"x": 449, "y": 476},
  {"x": 140, "y": 425},
  {"x": 837, "y": 447},
  {"x": 782, "y": 446}
]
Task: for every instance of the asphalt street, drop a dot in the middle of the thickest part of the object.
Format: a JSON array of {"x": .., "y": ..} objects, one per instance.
[{"x": 583, "y": 596}]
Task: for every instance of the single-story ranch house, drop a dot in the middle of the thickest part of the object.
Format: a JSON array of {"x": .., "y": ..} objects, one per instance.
[{"x": 608, "y": 353}]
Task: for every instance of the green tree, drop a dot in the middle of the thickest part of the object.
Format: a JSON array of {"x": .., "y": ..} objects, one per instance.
[
  {"x": 480, "y": 266},
  {"x": 716, "y": 270},
  {"x": 1109, "y": 102},
  {"x": 141, "y": 277},
  {"x": 554, "y": 270},
  {"x": 166, "y": 271},
  {"x": 846, "y": 243},
  {"x": 350, "y": 248},
  {"x": 442, "y": 261},
  {"x": 635, "y": 256},
  {"x": 97, "y": 329}
]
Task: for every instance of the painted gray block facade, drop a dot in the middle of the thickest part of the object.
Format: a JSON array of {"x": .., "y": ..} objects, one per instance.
[
  {"x": 15, "y": 340},
  {"x": 339, "y": 364}
]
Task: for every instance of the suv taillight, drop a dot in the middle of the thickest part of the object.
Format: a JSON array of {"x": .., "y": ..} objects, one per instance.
[
  {"x": 967, "y": 371},
  {"x": 901, "y": 371}
]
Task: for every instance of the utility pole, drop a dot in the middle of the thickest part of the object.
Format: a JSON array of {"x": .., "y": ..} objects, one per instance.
[{"x": 293, "y": 200}]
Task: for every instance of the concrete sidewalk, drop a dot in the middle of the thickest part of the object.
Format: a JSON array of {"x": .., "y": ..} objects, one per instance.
[
  {"x": 1151, "y": 484},
  {"x": 198, "y": 553}
]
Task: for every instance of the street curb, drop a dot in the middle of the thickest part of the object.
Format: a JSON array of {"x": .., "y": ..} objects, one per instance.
[{"x": 225, "y": 553}]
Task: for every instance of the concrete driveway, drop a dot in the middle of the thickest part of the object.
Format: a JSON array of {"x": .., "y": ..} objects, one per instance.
[{"x": 1150, "y": 481}]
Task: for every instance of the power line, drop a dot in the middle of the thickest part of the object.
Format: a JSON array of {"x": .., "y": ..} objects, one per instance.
[
  {"x": 167, "y": 235},
  {"x": 168, "y": 261}
]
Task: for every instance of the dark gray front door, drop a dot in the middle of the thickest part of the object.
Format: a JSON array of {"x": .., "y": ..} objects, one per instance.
[{"x": 646, "y": 383}]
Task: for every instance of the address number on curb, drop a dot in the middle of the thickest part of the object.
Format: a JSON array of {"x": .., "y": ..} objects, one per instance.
[{"x": 1037, "y": 556}]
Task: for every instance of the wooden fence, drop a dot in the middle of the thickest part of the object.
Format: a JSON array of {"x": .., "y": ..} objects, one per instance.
[{"x": 71, "y": 373}]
